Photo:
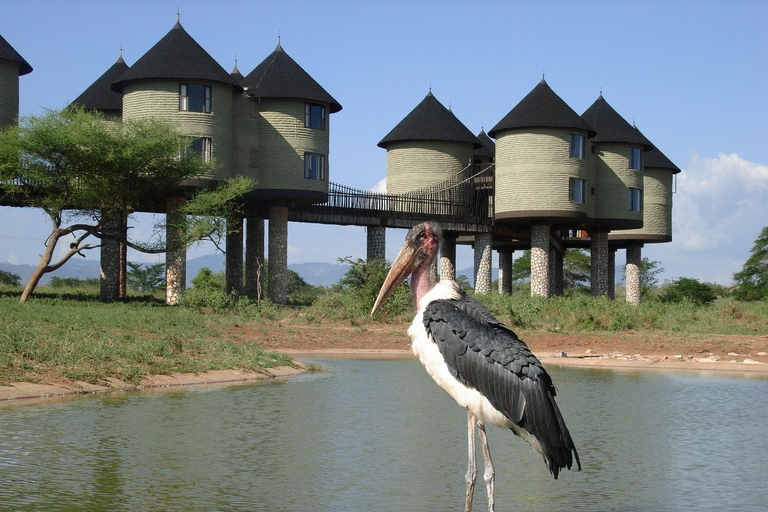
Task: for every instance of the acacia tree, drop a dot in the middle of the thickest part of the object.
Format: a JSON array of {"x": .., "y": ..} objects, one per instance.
[
  {"x": 752, "y": 280},
  {"x": 81, "y": 168}
]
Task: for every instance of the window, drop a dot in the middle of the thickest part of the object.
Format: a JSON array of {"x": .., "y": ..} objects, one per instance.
[
  {"x": 635, "y": 158},
  {"x": 195, "y": 98},
  {"x": 635, "y": 200},
  {"x": 202, "y": 147},
  {"x": 314, "y": 116},
  {"x": 576, "y": 146},
  {"x": 314, "y": 166},
  {"x": 577, "y": 190}
]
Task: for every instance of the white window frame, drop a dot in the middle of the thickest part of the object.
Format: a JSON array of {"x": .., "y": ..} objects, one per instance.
[
  {"x": 311, "y": 161},
  {"x": 576, "y": 185},
  {"x": 184, "y": 98},
  {"x": 206, "y": 148},
  {"x": 576, "y": 150},
  {"x": 310, "y": 112}
]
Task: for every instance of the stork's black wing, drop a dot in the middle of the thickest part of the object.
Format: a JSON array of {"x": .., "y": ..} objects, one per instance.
[{"x": 486, "y": 355}]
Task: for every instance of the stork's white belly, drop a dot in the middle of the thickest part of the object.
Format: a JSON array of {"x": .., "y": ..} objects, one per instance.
[{"x": 429, "y": 355}]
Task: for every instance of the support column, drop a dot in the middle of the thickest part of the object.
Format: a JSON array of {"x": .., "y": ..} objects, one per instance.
[
  {"x": 505, "y": 272},
  {"x": 123, "y": 256},
  {"x": 376, "y": 243},
  {"x": 556, "y": 271},
  {"x": 599, "y": 255},
  {"x": 234, "y": 259},
  {"x": 483, "y": 250},
  {"x": 109, "y": 270},
  {"x": 277, "y": 275},
  {"x": 448, "y": 257},
  {"x": 611, "y": 273},
  {"x": 176, "y": 252},
  {"x": 632, "y": 272},
  {"x": 540, "y": 248},
  {"x": 254, "y": 258}
]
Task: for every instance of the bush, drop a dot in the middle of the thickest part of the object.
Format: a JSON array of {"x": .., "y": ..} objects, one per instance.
[
  {"x": 9, "y": 278},
  {"x": 688, "y": 289},
  {"x": 73, "y": 282}
]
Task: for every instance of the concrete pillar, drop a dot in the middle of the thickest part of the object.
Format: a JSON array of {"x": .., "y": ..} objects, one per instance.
[
  {"x": 556, "y": 271},
  {"x": 376, "y": 243},
  {"x": 254, "y": 258},
  {"x": 176, "y": 252},
  {"x": 612, "y": 273},
  {"x": 599, "y": 270},
  {"x": 277, "y": 276},
  {"x": 505, "y": 272},
  {"x": 234, "y": 258},
  {"x": 632, "y": 272},
  {"x": 540, "y": 248},
  {"x": 448, "y": 257},
  {"x": 483, "y": 262},
  {"x": 123, "y": 256},
  {"x": 109, "y": 271}
]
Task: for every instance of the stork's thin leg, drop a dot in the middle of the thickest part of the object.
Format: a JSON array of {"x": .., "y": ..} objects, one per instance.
[
  {"x": 472, "y": 469},
  {"x": 490, "y": 473}
]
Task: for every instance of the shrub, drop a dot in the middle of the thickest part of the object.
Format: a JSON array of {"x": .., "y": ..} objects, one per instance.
[
  {"x": 688, "y": 289},
  {"x": 9, "y": 278}
]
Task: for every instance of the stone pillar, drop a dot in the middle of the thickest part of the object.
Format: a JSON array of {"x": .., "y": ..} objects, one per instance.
[
  {"x": 448, "y": 257},
  {"x": 176, "y": 252},
  {"x": 109, "y": 271},
  {"x": 277, "y": 276},
  {"x": 377, "y": 243},
  {"x": 254, "y": 258},
  {"x": 505, "y": 272},
  {"x": 612, "y": 273},
  {"x": 483, "y": 262},
  {"x": 556, "y": 271},
  {"x": 123, "y": 256},
  {"x": 632, "y": 272},
  {"x": 599, "y": 270},
  {"x": 540, "y": 248},
  {"x": 234, "y": 258}
]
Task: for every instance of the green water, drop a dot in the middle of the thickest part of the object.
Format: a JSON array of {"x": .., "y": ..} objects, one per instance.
[{"x": 380, "y": 436}]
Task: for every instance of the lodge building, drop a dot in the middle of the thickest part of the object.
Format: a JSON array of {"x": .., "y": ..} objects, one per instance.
[{"x": 560, "y": 179}]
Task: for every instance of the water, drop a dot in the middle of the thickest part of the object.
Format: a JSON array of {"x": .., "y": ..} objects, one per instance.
[{"x": 380, "y": 436}]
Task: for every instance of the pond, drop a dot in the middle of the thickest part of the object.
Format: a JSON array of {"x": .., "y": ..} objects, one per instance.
[{"x": 380, "y": 436}]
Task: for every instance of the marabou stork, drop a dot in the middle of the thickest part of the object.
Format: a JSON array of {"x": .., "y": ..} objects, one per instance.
[{"x": 479, "y": 362}]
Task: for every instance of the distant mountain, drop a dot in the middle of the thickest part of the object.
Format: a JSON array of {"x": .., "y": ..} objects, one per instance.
[{"x": 78, "y": 268}]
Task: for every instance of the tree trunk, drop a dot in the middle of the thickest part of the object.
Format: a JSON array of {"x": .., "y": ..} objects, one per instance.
[{"x": 42, "y": 268}]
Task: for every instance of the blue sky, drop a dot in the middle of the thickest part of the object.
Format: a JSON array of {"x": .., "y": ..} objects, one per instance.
[{"x": 692, "y": 75}]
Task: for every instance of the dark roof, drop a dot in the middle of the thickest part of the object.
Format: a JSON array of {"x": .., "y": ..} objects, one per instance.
[
  {"x": 279, "y": 76},
  {"x": 176, "y": 56},
  {"x": 430, "y": 120},
  {"x": 236, "y": 74},
  {"x": 489, "y": 147},
  {"x": 542, "y": 108},
  {"x": 100, "y": 96},
  {"x": 658, "y": 160},
  {"x": 8, "y": 53},
  {"x": 611, "y": 127}
]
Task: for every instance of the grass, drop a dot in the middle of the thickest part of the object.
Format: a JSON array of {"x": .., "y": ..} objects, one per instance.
[
  {"x": 79, "y": 338},
  {"x": 68, "y": 334}
]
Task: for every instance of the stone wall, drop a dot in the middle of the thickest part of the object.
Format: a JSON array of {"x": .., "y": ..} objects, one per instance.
[
  {"x": 234, "y": 257},
  {"x": 278, "y": 255},
  {"x": 412, "y": 165},
  {"x": 254, "y": 258},
  {"x": 109, "y": 264},
  {"x": 505, "y": 272},
  {"x": 176, "y": 254},
  {"x": 376, "y": 244},
  {"x": 540, "y": 260},
  {"x": 632, "y": 273},
  {"x": 483, "y": 262},
  {"x": 448, "y": 257},
  {"x": 599, "y": 269}
]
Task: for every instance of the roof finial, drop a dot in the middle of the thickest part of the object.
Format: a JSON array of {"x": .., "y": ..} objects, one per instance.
[
  {"x": 601, "y": 90},
  {"x": 178, "y": 14},
  {"x": 278, "y": 39}
]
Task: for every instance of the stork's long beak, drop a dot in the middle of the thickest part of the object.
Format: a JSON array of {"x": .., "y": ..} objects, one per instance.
[{"x": 406, "y": 262}]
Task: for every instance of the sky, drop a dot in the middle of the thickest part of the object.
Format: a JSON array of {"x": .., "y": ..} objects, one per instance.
[{"x": 692, "y": 75}]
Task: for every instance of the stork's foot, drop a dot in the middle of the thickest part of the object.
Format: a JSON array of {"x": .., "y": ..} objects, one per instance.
[{"x": 490, "y": 473}]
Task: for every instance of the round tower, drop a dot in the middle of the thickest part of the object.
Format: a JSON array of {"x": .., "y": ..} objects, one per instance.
[
  {"x": 428, "y": 146},
  {"x": 178, "y": 81},
  {"x": 12, "y": 66},
  {"x": 658, "y": 174},
  {"x": 543, "y": 174},
  {"x": 617, "y": 157},
  {"x": 288, "y": 142}
]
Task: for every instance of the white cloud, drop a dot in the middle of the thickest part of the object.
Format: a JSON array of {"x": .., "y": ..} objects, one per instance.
[
  {"x": 719, "y": 209},
  {"x": 380, "y": 187}
]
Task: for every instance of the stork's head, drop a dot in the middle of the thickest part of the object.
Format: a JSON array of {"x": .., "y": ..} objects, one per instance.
[{"x": 419, "y": 250}]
